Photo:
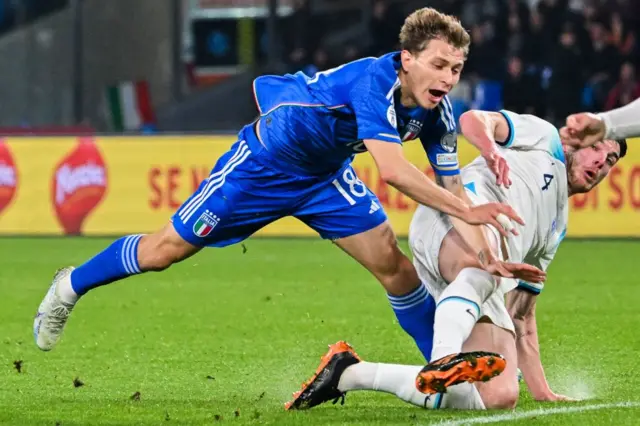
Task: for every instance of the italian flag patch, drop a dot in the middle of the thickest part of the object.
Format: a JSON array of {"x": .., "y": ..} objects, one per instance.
[{"x": 205, "y": 224}]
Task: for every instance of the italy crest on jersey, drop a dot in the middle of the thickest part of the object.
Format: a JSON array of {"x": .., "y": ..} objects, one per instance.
[{"x": 412, "y": 130}]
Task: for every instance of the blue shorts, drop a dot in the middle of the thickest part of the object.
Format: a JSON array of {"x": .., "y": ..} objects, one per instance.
[{"x": 244, "y": 193}]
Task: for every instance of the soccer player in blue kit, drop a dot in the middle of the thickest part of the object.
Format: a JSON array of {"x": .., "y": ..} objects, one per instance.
[{"x": 294, "y": 160}]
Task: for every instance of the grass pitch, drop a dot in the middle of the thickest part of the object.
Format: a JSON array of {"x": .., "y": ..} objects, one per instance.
[{"x": 226, "y": 337}]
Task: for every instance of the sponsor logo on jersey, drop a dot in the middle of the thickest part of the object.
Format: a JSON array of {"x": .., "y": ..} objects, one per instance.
[
  {"x": 78, "y": 186},
  {"x": 8, "y": 177},
  {"x": 391, "y": 116},
  {"x": 412, "y": 130},
  {"x": 447, "y": 159},
  {"x": 205, "y": 224},
  {"x": 449, "y": 142}
]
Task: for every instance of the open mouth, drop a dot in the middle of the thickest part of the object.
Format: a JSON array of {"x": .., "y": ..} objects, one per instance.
[
  {"x": 437, "y": 93},
  {"x": 590, "y": 176}
]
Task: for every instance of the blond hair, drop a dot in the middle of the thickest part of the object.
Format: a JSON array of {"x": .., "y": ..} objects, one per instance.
[{"x": 428, "y": 24}]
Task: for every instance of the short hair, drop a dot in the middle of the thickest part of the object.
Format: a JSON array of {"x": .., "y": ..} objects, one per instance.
[
  {"x": 623, "y": 147},
  {"x": 428, "y": 24}
]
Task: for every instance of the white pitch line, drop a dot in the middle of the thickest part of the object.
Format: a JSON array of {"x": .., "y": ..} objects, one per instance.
[{"x": 536, "y": 413}]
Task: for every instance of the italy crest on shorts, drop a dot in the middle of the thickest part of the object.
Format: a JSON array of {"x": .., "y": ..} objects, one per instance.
[{"x": 205, "y": 224}]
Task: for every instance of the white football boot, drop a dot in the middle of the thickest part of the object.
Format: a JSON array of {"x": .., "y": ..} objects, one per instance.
[{"x": 53, "y": 312}]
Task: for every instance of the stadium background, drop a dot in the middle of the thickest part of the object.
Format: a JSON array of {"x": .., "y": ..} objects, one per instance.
[
  {"x": 86, "y": 69},
  {"x": 112, "y": 110}
]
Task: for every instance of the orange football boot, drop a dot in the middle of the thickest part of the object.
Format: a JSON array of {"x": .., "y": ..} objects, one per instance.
[
  {"x": 323, "y": 385},
  {"x": 450, "y": 370}
]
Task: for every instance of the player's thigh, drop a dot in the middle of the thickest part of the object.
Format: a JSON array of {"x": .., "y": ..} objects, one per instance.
[
  {"x": 455, "y": 254},
  {"x": 502, "y": 391},
  {"x": 345, "y": 211},
  {"x": 378, "y": 251},
  {"x": 427, "y": 231},
  {"x": 240, "y": 196}
]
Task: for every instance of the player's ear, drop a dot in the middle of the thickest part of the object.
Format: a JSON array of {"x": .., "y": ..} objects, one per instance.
[
  {"x": 567, "y": 149},
  {"x": 406, "y": 58}
]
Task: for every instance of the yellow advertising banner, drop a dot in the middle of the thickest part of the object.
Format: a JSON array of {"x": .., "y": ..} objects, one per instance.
[{"x": 122, "y": 185}]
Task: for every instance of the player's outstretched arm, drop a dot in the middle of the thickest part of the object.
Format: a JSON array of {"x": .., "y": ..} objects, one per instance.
[
  {"x": 476, "y": 238},
  {"x": 521, "y": 305},
  {"x": 398, "y": 172},
  {"x": 482, "y": 129},
  {"x": 586, "y": 129},
  {"x": 473, "y": 235}
]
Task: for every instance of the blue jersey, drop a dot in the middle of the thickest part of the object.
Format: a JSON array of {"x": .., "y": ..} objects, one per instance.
[
  {"x": 314, "y": 126},
  {"x": 295, "y": 160}
]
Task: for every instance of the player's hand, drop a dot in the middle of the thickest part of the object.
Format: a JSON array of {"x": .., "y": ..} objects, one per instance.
[
  {"x": 554, "y": 397},
  {"x": 582, "y": 130},
  {"x": 498, "y": 166},
  {"x": 519, "y": 271},
  {"x": 493, "y": 214}
]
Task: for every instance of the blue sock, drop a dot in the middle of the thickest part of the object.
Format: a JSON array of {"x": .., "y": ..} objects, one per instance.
[
  {"x": 117, "y": 261},
  {"x": 416, "y": 314}
]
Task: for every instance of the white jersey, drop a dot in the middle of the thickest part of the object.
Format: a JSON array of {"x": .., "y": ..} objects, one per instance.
[{"x": 538, "y": 193}]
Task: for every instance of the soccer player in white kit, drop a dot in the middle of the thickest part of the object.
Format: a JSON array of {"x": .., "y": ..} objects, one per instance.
[{"x": 523, "y": 163}]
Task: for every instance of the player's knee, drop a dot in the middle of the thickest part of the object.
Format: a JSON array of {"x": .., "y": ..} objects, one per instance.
[
  {"x": 388, "y": 259},
  {"x": 399, "y": 276},
  {"x": 502, "y": 398},
  {"x": 155, "y": 254}
]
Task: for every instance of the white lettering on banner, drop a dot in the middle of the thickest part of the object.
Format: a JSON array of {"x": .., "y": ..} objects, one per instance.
[
  {"x": 70, "y": 179},
  {"x": 7, "y": 176}
]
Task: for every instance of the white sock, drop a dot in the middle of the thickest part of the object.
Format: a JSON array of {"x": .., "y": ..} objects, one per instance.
[
  {"x": 399, "y": 380},
  {"x": 464, "y": 396},
  {"x": 65, "y": 291},
  {"x": 360, "y": 376},
  {"x": 458, "y": 310}
]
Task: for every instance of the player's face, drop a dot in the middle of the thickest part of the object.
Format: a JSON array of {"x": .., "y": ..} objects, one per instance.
[
  {"x": 590, "y": 165},
  {"x": 430, "y": 74}
]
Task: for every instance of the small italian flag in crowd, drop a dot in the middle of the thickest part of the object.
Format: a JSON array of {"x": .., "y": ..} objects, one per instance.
[{"x": 130, "y": 106}]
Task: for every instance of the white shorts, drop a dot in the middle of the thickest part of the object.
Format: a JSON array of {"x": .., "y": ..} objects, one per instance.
[{"x": 426, "y": 233}]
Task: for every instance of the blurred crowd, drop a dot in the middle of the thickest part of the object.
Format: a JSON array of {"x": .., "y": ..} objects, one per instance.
[
  {"x": 14, "y": 13},
  {"x": 547, "y": 57}
]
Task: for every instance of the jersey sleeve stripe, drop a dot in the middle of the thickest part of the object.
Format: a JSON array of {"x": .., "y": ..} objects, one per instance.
[
  {"x": 561, "y": 237},
  {"x": 451, "y": 115},
  {"x": 255, "y": 96},
  {"x": 302, "y": 105},
  {"x": 446, "y": 117},
  {"x": 512, "y": 135},
  {"x": 385, "y": 137},
  {"x": 388, "y": 135},
  {"x": 453, "y": 172},
  {"x": 531, "y": 288},
  {"x": 395, "y": 86},
  {"x": 454, "y": 167}
]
